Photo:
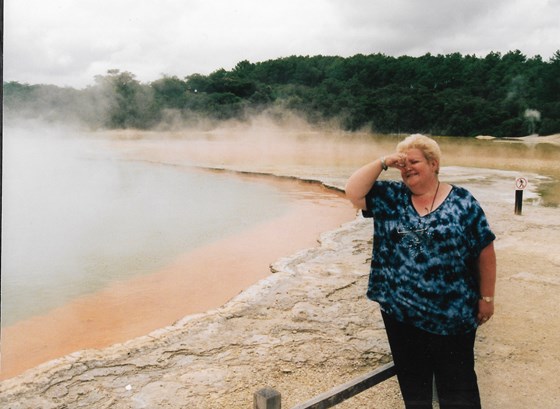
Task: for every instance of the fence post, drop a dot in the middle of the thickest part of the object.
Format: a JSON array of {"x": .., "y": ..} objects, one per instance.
[{"x": 267, "y": 398}]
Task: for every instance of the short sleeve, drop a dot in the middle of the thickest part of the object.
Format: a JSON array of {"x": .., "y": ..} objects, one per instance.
[
  {"x": 482, "y": 236},
  {"x": 479, "y": 233},
  {"x": 382, "y": 199}
]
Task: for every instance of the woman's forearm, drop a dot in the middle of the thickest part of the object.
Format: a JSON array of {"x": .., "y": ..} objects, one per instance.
[
  {"x": 361, "y": 181},
  {"x": 487, "y": 271}
]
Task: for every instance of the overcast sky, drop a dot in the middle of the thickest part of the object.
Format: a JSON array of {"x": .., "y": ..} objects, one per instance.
[{"x": 69, "y": 42}]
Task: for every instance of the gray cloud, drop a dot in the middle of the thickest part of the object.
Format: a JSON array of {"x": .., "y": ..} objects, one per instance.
[{"x": 66, "y": 42}]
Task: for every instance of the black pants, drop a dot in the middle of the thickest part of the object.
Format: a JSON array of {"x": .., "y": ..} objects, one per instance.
[{"x": 420, "y": 356}]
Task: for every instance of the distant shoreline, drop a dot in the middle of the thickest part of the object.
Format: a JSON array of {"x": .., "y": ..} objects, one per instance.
[{"x": 554, "y": 139}]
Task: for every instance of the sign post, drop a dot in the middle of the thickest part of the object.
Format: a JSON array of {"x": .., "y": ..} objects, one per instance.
[{"x": 520, "y": 185}]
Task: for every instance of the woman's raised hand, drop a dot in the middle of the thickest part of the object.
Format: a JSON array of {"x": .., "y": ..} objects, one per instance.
[{"x": 396, "y": 160}]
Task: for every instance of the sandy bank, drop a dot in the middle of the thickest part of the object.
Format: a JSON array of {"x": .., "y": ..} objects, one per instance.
[{"x": 530, "y": 139}]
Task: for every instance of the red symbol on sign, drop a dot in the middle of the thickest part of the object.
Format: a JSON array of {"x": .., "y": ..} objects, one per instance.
[{"x": 521, "y": 183}]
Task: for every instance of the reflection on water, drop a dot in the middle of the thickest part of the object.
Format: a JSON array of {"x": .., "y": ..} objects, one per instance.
[{"x": 75, "y": 218}]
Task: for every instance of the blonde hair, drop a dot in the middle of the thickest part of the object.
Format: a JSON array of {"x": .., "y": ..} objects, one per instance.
[{"x": 428, "y": 146}]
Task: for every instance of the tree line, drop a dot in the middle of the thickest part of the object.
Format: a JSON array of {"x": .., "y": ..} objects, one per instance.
[{"x": 454, "y": 94}]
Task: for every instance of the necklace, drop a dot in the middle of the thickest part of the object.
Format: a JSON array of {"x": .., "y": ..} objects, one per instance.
[
  {"x": 433, "y": 201},
  {"x": 413, "y": 231}
]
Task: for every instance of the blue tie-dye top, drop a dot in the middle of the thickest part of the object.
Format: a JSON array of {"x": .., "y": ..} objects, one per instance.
[{"x": 424, "y": 268}]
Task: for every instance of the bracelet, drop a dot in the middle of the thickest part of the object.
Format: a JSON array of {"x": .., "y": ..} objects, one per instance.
[
  {"x": 383, "y": 164},
  {"x": 487, "y": 299}
]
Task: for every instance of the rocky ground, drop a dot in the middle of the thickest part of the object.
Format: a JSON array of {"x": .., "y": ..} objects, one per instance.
[
  {"x": 308, "y": 327},
  {"x": 302, "y": 331}
]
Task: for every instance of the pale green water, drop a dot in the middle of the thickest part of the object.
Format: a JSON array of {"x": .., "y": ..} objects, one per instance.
[{"x": 75, "y": 217}]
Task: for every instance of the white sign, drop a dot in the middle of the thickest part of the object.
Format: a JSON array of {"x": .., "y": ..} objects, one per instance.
[{"x": 521, "y": 183}]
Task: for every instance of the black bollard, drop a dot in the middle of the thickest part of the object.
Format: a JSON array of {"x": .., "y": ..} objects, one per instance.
[
  {"x": 518, "y": 201},
  {"x": 520, "y": 184}
]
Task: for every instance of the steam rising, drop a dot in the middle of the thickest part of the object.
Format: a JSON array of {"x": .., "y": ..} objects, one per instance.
[
  {"x": 91, "y": 206},
  {"x": 533, "y": 116}
]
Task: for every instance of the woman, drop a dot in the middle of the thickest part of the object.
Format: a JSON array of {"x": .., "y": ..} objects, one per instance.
[{"x": 433, "y": 272}]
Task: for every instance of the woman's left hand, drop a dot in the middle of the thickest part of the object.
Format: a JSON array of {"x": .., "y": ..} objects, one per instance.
[{"x": 485, "y": 311}]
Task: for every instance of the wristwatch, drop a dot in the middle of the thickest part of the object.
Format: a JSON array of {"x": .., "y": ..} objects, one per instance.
[
  {"x": 487, "y": 299},
  {"x": 383, "y": 164}
]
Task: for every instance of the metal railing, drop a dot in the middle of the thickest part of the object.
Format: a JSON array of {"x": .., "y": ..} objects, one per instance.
[{"x": 268, "y": 398}]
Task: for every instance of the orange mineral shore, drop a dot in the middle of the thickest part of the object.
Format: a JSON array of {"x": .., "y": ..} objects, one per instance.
[{"x": 194, "y": 282}]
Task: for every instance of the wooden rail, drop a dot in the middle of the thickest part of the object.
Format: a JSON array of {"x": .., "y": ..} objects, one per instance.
[{"x": 271, "y": 399}]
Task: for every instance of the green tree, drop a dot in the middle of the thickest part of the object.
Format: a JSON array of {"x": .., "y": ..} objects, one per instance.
[
  {"x": 129, "y": 103},
  {"x": 169, "y": 93},
  {"x": 442, "y": 94}
]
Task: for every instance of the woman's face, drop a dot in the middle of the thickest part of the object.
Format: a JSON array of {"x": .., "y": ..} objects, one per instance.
[{"x": 417, "y": 169}]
